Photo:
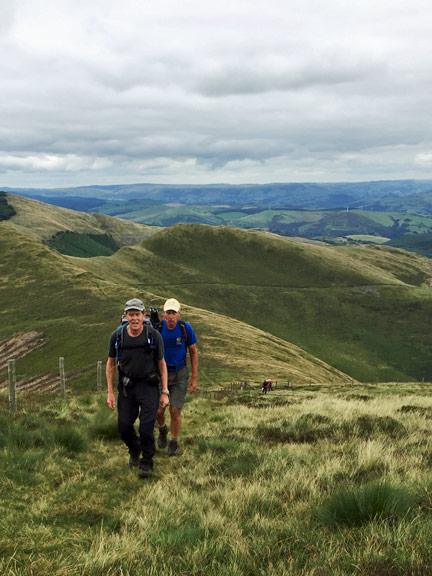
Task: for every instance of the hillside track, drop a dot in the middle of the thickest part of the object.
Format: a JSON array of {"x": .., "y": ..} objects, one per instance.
[{"x": 287, "y": 286}]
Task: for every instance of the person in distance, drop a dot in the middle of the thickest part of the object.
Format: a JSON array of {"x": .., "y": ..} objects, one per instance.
[
  {"x": 137, "y": 349},
  {"x": 179, "y": 338}
]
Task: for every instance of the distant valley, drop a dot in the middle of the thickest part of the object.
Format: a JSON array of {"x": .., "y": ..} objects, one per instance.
[{"x": 395, "y": 212}]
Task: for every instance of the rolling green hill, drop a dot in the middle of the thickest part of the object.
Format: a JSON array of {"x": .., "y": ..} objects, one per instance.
[
  {"x": 73, "y": 311},
  {"x": 254, "y": 297},
  {"x": 72, "y": 232},
  {"x": 362, "y": 309},
  {"x": 420, "y": 243}
]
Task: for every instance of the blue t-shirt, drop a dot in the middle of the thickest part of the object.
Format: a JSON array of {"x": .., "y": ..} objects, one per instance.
[{"x": 175, "y": 345}]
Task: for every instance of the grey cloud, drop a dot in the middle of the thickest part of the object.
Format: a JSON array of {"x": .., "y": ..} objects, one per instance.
[
  {"x": 259, "y": 79},
  {"x": 250, "y": 95}
]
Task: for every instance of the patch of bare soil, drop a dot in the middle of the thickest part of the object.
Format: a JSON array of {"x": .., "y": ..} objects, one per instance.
[{"x": 18, "y": 346}]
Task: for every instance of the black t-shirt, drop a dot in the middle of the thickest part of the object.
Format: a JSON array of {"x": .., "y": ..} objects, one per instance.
[{"x": 137, "y": 358}]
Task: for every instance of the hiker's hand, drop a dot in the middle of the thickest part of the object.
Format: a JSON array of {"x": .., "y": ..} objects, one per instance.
[
  {"x": 164, "y": 401},
  {"x": 192, "y": 385},
  {"x": 111, "y": 401}
]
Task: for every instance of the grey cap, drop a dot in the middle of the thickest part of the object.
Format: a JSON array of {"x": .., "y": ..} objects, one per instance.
[{"x": 134, "y": 304}]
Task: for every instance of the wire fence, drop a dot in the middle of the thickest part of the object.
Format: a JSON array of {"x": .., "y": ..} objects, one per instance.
[{"x": 18, "y": 393}]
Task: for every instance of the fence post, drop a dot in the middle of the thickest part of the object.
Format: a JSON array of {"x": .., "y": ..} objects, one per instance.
[
  {"x": 12, "y": 385},
  {"x": 62, "y": 378},
  {"x": 99, "y": 375}
]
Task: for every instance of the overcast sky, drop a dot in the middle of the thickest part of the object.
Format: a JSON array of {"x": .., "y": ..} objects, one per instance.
[{"x": 196, "y": 91}]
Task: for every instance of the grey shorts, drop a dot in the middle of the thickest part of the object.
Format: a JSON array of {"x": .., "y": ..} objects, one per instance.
[{"x": 178, "y": 381}]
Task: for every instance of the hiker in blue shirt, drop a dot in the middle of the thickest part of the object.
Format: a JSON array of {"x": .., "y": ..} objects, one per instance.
[{"x": 178, "y": 337}]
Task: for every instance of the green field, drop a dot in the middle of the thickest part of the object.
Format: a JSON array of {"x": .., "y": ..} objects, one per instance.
[
  {"x": 314, "y": 480},
  {"x": 308, "y": 223},
  {"x": 365, "y": 239},
  {"x": 83, "y": 245}
]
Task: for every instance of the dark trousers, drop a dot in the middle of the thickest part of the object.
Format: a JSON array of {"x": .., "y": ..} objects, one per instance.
[{"x": 138, "y": 400}]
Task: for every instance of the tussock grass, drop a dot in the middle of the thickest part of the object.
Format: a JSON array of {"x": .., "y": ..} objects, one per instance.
[
  {"x": 313, "y": 482},
  {"x": 70, "y": 439},
  {"x": 103, "y": 425},
  {"x": 360, "y": 505}
]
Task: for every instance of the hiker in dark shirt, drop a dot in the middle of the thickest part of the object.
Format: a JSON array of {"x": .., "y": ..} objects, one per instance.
[{"x": 142, "y": 386}]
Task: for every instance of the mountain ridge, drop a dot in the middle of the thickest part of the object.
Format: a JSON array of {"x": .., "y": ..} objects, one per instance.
[{"x": 306, "y": 194}]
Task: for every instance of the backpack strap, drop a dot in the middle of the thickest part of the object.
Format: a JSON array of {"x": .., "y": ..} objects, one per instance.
[
  {"x": 183, "y": 327},
  {"x": 118, "y": 340}
]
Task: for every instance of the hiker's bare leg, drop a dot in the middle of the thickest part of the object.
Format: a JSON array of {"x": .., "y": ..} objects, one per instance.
[
  {"x": 176, "y": 420},
  {"x": 160, "y": 417}
]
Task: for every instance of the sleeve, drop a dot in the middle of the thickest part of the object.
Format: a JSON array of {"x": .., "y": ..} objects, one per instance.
[
  {"x": 111, "y": 348},
  {"x": 191, "y": 337}
]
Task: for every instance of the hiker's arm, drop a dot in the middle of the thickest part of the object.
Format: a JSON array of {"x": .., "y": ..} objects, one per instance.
[
  {"x": 110, "y": 375},
  {"x": 193, "y": 353},
  {"x": 164, "y": 399}
]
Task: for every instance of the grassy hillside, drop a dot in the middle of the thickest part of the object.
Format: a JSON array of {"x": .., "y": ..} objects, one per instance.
[
  {"x": 43, "y": 222},
  {"x": 75, "y": 311},
  {"x": 362, "y": 309},
  {"x": 419, "y": 243}
]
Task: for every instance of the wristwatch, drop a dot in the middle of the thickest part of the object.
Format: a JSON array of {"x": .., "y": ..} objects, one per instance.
[{"x": 165, "y": 392}]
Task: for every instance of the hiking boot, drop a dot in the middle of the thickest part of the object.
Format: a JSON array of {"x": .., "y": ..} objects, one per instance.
[
  {"x": 134, "y": 461},
  {"x": 162, "y": 438},
  {"x": 145, "y": 470},
  {"x": 173, "y": 447}
]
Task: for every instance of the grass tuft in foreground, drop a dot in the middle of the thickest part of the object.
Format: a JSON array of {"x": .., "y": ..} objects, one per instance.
[{"x": 359, "y": 505}]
